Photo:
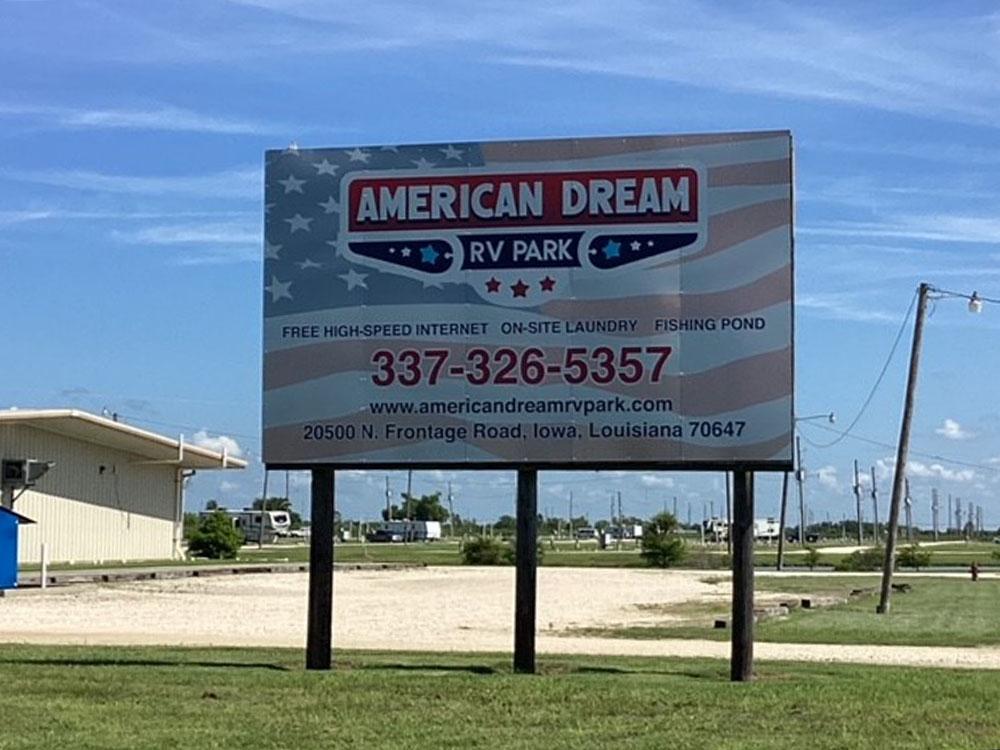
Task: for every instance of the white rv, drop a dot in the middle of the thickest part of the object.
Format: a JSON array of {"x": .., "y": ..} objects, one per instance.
[
  {"x": 414, "y": 531},
  {"x": 764, "y": 529},
  {"x": 276, "y": 523}
]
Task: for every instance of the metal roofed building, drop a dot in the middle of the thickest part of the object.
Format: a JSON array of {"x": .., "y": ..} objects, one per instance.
[{"x": 115, "y": 492}]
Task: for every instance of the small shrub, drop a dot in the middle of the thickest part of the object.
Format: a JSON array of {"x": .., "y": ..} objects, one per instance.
[
  {"x": 487, "y": 550},
  {"x": 215, "y": 538},
  {"x": 913, "y": 557},
  {"x": 862, "y": 560},
  {"x": 484, "y": 550},
  {"x": 661, "y": 546},
  {"x": 812, "y": 557}
]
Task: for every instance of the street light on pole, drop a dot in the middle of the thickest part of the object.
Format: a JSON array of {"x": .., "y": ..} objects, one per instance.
[{"x": 924, "y": 292}]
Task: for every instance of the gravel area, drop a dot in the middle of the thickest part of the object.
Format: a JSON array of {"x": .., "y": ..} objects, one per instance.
[{"x": 440, "y": 609}]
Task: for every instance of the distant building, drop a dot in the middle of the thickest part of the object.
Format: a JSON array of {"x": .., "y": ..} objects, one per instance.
[{"x": 115, "y": 492}]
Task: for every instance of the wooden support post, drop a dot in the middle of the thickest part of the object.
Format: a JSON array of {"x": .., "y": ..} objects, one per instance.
[
  {"x": 741, "y": 665},
  {"x": 527, "y": 564},
  {"x": 319, "y": 634},
  {"x": 781, "y": 521}
]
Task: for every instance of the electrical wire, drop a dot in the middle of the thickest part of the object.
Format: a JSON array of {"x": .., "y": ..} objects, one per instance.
[
  {"x": 890, "y": 446},
  {"x": 878, "y": 381}
]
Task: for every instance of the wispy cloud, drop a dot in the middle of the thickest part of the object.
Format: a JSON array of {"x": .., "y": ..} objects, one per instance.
[
  {"x": 927, "y": 227},
  {"x": 214, "y": 233},
  {"x": 158, "y": 118},
  {"x": 242, "y": 183},
  {"x": 30, "y": 215},
  {"x": 939, "y": 63},
  {"x": 845, "y": 306},
  {"x": 952, "y": 430}
]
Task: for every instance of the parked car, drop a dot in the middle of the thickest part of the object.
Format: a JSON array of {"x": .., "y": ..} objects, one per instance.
[{"x": 384, "y": 535}]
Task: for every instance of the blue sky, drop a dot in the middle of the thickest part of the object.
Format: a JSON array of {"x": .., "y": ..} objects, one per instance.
[{"x": 131, "y": 149}]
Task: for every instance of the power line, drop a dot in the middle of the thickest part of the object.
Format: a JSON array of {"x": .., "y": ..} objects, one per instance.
[
  {"x": 878, "y": 382},
  {"x": 890, "y": 446}
]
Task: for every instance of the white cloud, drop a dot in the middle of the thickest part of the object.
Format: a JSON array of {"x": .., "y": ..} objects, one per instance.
[
  {"x": 240, "y": 184},
  {"x": 827, "y": 476},
  {"x": 226, "y": 486},
  {"x": 213, "y": 233},
  {"x": 160, "y": 117},
  {"x": 886, "y": 466},
  {"x": 217, "y": 443},
  {"x": 656, "y": 480},
  {"x": 953, "y": 431}
]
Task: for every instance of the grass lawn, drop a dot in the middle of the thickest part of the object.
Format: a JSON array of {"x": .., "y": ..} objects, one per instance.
[
  {"x": 562, "y": 554},
  {"x": 936, "y": 612},
  {"x": 91, "y": 698}
]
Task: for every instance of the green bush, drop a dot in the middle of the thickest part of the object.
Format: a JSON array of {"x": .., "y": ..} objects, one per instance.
[
  {"x": 215, "y": 538},
  {"x": 812, "y": 557},
  {"x": 488, "y": 550},
  {"x": 913, "y": 557},
  {"x": 661, "y": 546},
  {"x": 485, "y": 550},
  {"x": 862, "y": 560}
]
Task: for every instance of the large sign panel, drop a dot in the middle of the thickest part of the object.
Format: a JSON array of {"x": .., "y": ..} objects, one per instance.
[{"x": 592, "y": 302}]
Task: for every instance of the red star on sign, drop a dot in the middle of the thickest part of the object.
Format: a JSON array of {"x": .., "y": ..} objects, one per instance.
[
  {"x": 520, "y": 289},
  {"x": 493, "y": 285},
  {"x": 548, "y": 284}
]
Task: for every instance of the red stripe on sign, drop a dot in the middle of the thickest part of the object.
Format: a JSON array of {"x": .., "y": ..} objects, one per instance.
[{"x": 446, "y": 202}]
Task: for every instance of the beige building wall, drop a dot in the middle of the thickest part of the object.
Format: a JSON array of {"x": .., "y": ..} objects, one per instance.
[{"x": 96, "y": 504}]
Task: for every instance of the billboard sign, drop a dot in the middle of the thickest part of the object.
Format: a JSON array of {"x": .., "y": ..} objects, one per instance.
[{"x": 587, "y": 302}]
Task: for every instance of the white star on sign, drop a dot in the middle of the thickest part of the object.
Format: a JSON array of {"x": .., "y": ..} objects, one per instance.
[
  {"x": 325, "y": 167},
  {"x": 356, "y": 154},
  {"x": 635, "y": 245},
  {"x": 394, "y": 149},
  {"x": 353, "y": 279},
  {"x": 335, "y": 244},
  {"x": 268, "y": 207},
  {"x": 330, "y": 206},
  {"x": 278, "y": 289},
  {"x": 309, "y": 264},
  {"x": 292, "y": 184},
  {"x": 451, "y": 152},
  {"x": 406, "y": 252},
  {"x": 271, "y": 251},
  {"x": 422, "y": 163},
  {"x": 298, "y": 222},
  {"x": 434, "y": 283}
]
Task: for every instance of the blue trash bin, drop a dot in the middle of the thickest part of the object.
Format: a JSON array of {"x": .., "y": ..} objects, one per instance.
[{"x": 9, "y": 521}]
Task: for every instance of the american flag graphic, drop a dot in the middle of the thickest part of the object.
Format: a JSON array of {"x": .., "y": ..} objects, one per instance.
[{"x": 592, "y": 302}]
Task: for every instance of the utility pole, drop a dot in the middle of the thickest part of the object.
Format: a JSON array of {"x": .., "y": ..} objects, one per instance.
[
  {"x": 903, "y": 450},
  {"x": 908, "y": 504},
  {"x": 781, "y": 521},
  {"x": 409, "y": 492},
  {"x": 675, "y": 507},
  {"x": 701, "y": 526},
  {"x": 958, "y": 517},
  {"x": 949, "y": 516},
  {"x": 934, "y": 511},
  {"x": 857, "y": 498},
  {"x": 689, "y": 513},
  {"x": 875, "y": 506},
  {"x": 800, "y": 477},
  {"x": 729, "y": 518},
  {"x": 451, "y": 512},
  {"x": 388, "y": 500},
  {"x": 970, "y": 522},
  {"x": 620, "y": 529},
  {"x": 571, "y": 513}
]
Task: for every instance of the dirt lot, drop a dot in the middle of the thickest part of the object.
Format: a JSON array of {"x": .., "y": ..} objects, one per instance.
[{"x": 457, "y": 609}]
